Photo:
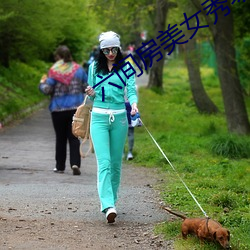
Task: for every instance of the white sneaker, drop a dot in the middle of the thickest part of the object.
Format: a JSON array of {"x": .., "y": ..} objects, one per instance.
[
  {"x": 111, "y": 214},
  {"x": 58, "y": 171},
  {"x": 76, "y": 170},
  {"x": 130, "y": 156}
]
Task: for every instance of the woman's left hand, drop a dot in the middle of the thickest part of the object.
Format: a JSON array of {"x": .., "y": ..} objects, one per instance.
[{"x": 134, "y": 109}]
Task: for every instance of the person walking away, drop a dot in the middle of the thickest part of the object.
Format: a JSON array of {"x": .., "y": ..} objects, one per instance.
[
  {"x": 109, "y": 123},
  {"x": 131, "y": 129},
  {"x": 130, "y": 133},
  {"x": 66, "y": 83}
]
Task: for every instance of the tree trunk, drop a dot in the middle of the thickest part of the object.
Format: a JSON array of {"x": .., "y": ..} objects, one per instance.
[
  {"x": 201, "y": 99},
  {"x": 156, "y": 71},
  {"x": 235, "y": 109}
]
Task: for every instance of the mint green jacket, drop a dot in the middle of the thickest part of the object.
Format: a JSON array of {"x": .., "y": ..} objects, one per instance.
[{"x": 108, "y": 96}]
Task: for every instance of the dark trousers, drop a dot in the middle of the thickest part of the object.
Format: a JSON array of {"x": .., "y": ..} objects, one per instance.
[
  {"x": 130, "y": 139},
  {"x": 62, "y": 122}
]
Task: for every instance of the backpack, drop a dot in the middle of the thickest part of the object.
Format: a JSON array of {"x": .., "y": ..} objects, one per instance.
[{"x": 81, "y": 126}]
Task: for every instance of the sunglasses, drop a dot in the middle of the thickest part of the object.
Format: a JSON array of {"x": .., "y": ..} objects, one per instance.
[{"x": 106, "y": 51}]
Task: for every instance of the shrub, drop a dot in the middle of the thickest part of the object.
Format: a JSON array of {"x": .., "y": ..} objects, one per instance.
[
  {"x": 231, "y": 146},
  {"x": 223, "y": 200}
]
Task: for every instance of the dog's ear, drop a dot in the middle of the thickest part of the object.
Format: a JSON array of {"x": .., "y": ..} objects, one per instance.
[
  {"x": 228, "y": 237},
  {"x": 214, "y": 235}
]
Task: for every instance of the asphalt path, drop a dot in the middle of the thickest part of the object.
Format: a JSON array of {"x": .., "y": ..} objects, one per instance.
[
  {"x": 31, "y": 190},
  {"x": 26, "y": 177}
]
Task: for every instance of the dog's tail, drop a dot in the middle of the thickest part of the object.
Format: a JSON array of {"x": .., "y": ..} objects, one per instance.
[{"x": 175, "y": 213}]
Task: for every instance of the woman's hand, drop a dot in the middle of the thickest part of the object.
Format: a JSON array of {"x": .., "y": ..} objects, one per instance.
[
  {"x": 90, "y": 91},
  {"x": 134, "y": 109},
  {"x": 43, "y": 79}
]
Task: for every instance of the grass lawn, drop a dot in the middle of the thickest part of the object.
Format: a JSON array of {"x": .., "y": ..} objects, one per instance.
[{"x": 214, "y": 164}]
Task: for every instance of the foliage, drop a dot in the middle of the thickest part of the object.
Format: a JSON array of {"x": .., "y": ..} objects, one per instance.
[
  {"x": 19, "y": 88},
  {"x": 203, "y": 36},
  {"x": 177, "y": 17},
  {"x": 220, "y": 184},
  {"x": 242, "y": 19},
  {"x": 27, "y": 33},
  {"x": 242, "y": 38},
  {"x": 243, "y": 61},
  {"x": 135, "y": 17}
]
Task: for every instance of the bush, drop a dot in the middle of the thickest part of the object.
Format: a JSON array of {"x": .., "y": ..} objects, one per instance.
[
  {"x": 231, "y": 146},
  {"x": 19, "y": 88},
  {"x": 224, "y": 200}
]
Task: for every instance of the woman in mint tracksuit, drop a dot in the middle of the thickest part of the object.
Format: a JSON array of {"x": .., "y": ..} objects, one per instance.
[{"x": 109, "y": 123}]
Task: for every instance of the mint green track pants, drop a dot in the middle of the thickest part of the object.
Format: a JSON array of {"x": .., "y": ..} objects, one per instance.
[{"x": 108, "y": 138}]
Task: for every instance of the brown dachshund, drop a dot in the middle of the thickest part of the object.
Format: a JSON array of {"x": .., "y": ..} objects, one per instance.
[{"x": 204, "y": 229}]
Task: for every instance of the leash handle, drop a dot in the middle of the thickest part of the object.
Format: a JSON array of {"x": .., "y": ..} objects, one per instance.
[{"x": 174, "y": 170}]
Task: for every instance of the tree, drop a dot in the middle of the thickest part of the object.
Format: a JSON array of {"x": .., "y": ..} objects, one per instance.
[
  {"x": 202, "y": 101},
  {"x": 127, "y": 18},
  {"x": 156, "y": 72},
  {"x": 233, "y": 98},
  {"x": 28, "y": 33}
]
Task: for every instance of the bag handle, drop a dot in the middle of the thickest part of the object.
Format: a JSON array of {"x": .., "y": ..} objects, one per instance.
[
  {"x": 91, "y": 148},
  {"x": 85, "y": 99},
  {"x": 85, "y": 139}
]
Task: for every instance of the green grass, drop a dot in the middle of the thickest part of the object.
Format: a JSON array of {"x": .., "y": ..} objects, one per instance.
[
  {"x": 19, "y": 88},
  {"x": 214, "y": 164}
]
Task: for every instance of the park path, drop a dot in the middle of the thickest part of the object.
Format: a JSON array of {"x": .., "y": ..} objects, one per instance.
[{"x": 40, "y": 209}]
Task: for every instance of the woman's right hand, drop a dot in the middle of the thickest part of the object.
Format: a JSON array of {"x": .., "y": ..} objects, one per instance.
[
  {"x": 134, "y": 109},
  {"x": 90, "y": 91}
]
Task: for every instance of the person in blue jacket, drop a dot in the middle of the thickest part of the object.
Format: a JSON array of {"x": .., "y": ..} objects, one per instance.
[
  {"x": 65, "y": 83},
  {"x": 109, "y": 124}
]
